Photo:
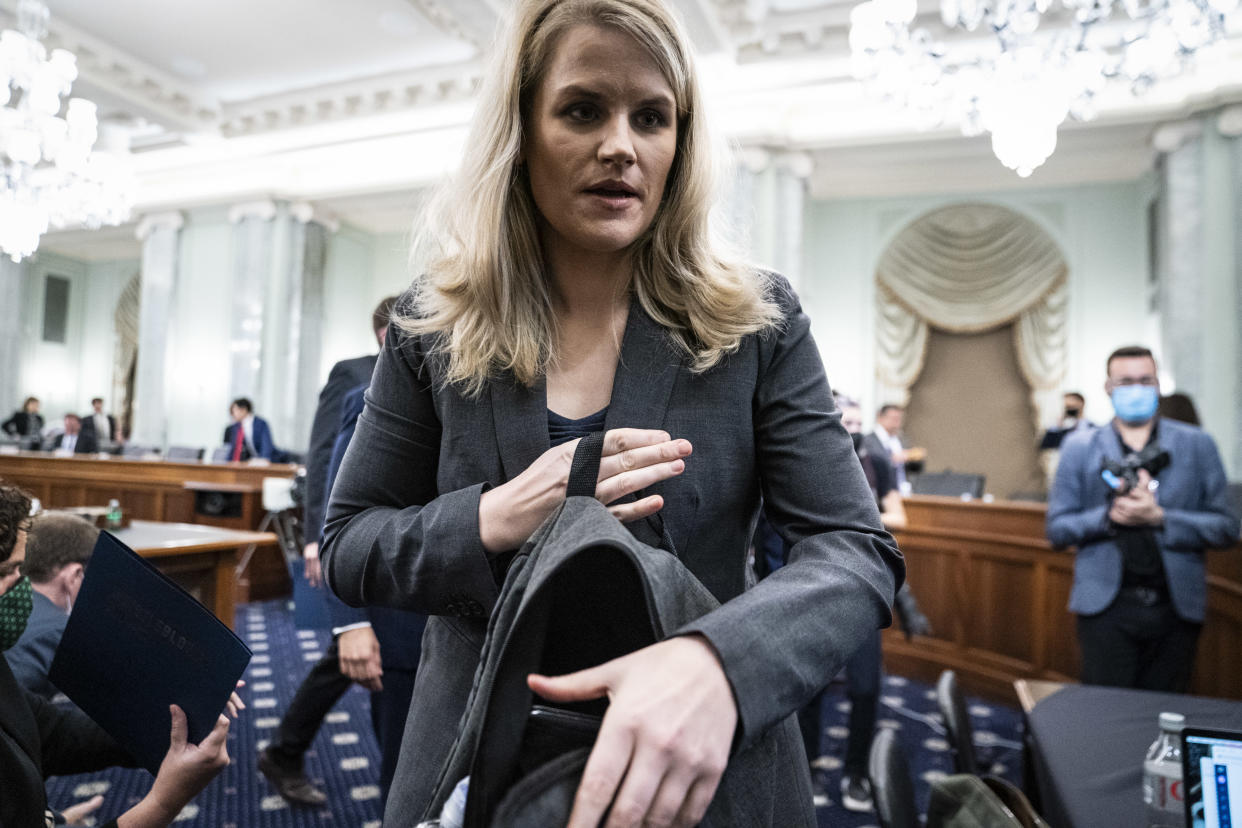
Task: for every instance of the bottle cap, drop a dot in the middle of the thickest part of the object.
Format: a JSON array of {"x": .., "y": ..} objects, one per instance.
[{"x": 1172, "y": 721}]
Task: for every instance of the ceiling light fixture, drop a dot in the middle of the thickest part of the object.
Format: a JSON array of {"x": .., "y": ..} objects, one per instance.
[
  {"x": 50, "y": 173},
  {"x": 1022, "y": 82}
]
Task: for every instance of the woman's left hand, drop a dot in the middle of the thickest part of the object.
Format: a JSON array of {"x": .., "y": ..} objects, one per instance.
[{"x": 664, "y": 742}]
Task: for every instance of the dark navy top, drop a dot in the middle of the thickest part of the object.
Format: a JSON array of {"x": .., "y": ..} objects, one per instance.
[{"x": 562, "y": 429}]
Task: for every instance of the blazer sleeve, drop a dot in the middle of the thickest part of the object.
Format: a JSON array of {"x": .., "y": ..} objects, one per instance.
[
  {"x": 390, "y": 538},
  {"x": 1212, "y": 524},
  {"x": 323, "y": 432},
  {"x": 1069, "y": 522},
  {"x": 785, "y": 639}
]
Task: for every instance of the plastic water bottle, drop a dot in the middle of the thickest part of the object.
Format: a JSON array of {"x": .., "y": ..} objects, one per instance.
[
  {"x": 1162, "y": 776},
  {"x": 113, "y": 519}
]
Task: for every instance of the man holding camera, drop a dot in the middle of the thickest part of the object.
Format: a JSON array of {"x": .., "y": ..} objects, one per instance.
[{"x": 1141, "y": 499}]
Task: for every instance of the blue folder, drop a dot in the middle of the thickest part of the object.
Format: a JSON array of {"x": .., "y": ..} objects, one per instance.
[{"x": 136, "y": 643}]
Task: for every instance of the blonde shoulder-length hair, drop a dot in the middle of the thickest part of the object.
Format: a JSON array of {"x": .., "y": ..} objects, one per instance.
[{"x": 483, "y": 290}]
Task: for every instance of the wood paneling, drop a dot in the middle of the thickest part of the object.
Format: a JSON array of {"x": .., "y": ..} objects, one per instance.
[
  {"x": 159, "y": 490},
  {"x": 996, "y": 594}
]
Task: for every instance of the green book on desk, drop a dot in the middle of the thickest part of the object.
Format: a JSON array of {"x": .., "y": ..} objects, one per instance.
[{"x": 136, "y": 643}]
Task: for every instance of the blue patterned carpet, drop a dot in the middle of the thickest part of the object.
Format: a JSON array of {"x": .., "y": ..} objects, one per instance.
[{"x": 344, "y": 760}]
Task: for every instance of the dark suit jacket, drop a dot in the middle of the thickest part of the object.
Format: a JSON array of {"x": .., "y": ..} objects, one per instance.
[
  {"x": 86, "y": 443},
  {"x": 30, "y": 658},
  {"x": 37, "y": 740},
  {"x": 261, "y": 439},
  {"x": 88, "y": 426},
  {"x": 1193, "y": 492},
  {"x": 402, "y": 526},
  {"x": 399, "y": 632},
  {"x": 345, "y": 375},
  {"x": 23, "y": 424}
]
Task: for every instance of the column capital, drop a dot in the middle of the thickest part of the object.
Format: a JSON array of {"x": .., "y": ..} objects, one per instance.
[
  {"x": 1229, "y": 121},
  {"x": 264, "y": 210},
  {"x": 1174, "y": 135},
  {"x": 797, "y": 164},
  {"x": 171, "y": 220},
  {"x": 305, "y": 212}
]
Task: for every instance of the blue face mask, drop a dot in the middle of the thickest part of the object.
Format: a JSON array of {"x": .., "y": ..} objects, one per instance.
[{"x": 1135, "y": 404}]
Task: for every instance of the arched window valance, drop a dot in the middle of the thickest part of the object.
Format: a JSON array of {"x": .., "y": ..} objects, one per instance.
[{"x": 970, "y": 268}]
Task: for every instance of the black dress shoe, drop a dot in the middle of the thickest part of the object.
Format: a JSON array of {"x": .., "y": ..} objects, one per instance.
[{"x": 292, "y": 785}]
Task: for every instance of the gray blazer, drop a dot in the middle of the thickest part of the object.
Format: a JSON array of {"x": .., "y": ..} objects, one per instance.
[
  {"x": 402, "y": 526},
  {"x": 1193, "y": 493}
]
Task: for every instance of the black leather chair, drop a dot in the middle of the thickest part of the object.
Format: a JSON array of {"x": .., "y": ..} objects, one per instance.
[
  {"x": 948, "y": 484},
  {"x": 892, "y": 790},
  {"x": 958, "y": 730}
]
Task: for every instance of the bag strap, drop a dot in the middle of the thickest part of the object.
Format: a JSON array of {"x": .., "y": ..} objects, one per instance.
[{"x": 584, "y": 471}]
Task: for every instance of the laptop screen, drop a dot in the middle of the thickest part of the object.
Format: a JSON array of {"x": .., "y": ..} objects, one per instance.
[{"x": 1212, "y": 777}]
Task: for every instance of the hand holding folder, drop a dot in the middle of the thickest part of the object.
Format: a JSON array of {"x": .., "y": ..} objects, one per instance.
[{"x": 136, "y": 644}]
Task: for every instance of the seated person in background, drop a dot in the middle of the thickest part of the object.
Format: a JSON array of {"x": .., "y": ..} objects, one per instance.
[
  {"x": 38, "y": 739},
  {"x": 1071, "y": 421},
  {"x": 100, "y": 426},
  {"x": 1141, "y": 499},
  {"x": 27, "y": 422},
  {"x": 249, "y": 436},
  {"x": 57, "y": 551},
  {"x": 73, "y": 440}
]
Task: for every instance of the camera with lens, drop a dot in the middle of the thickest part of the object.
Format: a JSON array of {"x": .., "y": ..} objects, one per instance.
[{"x": 1122, "y": 476}]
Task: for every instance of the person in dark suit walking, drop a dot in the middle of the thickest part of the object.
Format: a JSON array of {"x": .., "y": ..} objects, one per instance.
[
  {"x": 344, "y": 376},
  {"x": 100, "y": 425},
  {"x": 27, "y": 422},
  {"x": 249, "y": 436},
  {"x": 573, "y": 287},
  {"x": 74, "y": 439}
]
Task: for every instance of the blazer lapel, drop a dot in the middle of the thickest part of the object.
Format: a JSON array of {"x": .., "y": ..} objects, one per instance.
[
  {"x": 520, "y": 417},
  {"x": 646, "y": 372}
]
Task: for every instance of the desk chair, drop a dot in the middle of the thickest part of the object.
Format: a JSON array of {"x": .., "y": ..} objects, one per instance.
[
  {"x": 892, "y": 790},
  {"x": 958, "y": 730},
  {"x": 136, "y": 451},
  {"x": 184, "y": 453}
]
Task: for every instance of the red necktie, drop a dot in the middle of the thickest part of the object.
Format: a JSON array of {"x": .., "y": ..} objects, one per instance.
[{"x": 238, "y": 439}]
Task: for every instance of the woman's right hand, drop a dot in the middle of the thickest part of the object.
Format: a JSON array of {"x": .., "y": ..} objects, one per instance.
[{"x": 632, "y": 460}]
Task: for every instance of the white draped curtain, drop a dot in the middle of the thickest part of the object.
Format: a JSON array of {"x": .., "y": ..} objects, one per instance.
[{"x": 969, "y": 268}]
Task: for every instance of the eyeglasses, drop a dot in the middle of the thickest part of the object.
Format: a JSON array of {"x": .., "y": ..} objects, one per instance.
[{"x": 1150, "y": 382}]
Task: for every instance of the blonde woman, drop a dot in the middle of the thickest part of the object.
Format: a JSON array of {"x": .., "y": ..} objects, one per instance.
[{"x": 574, "y": 286}]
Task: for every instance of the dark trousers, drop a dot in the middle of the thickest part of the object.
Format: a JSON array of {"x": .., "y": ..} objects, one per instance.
[
  {"x": 1138, "y": 644},
  {"x": 862, "y": 672},
  {"x": 320, "y": 691},
  {"x": 317, "y": 694}
]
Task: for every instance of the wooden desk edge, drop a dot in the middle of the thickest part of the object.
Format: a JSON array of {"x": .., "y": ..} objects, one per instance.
[{"x": 1032, "y": 691}]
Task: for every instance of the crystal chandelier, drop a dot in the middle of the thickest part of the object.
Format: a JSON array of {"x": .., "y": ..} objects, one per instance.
[
  {"x": 49, "y": 173},
  {"x": 1016, "y": 80}
]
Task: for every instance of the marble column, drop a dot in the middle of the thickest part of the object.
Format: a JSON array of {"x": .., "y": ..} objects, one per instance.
[
  {"x": 280, "y": 251},
  {"x": 1230, "y": 125},
  {"x": 252, "y": 254},
  {"x": 12, "y": 301},
  {"x": 767, "y": 207},
  {"x": 1180, "y": 266},
  {"x": 160, "y": 236}
]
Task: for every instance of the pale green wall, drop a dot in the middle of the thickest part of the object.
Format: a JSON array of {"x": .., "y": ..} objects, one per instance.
[{"x": 1102, "y": 231}]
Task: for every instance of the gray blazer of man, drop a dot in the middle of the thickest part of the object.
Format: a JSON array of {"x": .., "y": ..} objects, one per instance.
[
  {"x": 1193, "y": 492},
  {"x": 402, "y": 527}
]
